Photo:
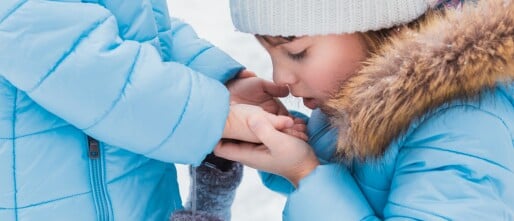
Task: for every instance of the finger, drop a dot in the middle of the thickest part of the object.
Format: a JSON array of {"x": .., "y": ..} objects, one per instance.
[
  {"x": 275, "y": 90},
  {"x": 253, "y": 155},
  {"x": 299, "y": 127},
  {"x": 298, "y": 120},
  {"x": 232, "y": 150},
  {"x": 279, "y": 122},
  {"x": 297, "y": 134},
  {"x": 246, "y": 74},
  {"x": 267, "y": 134}
]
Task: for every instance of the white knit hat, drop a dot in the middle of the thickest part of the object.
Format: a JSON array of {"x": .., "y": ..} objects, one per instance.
[{"x": 317, "y": 17}]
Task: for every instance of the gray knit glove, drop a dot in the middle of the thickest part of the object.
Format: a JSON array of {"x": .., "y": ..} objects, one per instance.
[
  {"x": 186, "y": 215},
  {"x": 215, "y": 192}
]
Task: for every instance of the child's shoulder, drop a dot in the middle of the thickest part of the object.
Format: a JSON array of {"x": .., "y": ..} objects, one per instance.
[{"x": 482, "y": 127}]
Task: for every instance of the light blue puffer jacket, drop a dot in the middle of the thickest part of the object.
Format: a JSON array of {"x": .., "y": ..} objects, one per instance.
[
  {"x": 455, "y": 165},
  {"x": 451, "y": 81},
  {"x": 121, "y": 72}
]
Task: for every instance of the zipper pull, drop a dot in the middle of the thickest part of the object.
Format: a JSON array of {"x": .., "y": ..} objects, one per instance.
[{"x": 94, "y": 148}]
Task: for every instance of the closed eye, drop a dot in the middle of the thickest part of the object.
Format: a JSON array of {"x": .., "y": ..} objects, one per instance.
[{"x": 297, "y": 56}]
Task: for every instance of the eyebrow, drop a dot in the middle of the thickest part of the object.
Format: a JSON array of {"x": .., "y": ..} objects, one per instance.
[{"x": 276, "y": 41}]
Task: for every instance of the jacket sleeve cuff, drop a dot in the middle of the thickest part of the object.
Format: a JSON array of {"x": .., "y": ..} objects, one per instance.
[
  {"x": 223, "y": 69},
  {"x": 328, "y": 193},
  {"x": 276, "y": 183}
]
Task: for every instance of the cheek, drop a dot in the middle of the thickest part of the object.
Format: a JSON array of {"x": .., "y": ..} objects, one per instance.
[{"x": 324, "y": 76}]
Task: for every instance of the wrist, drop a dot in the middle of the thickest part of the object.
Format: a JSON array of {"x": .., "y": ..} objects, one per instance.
[{"x": 303, "y": 172}]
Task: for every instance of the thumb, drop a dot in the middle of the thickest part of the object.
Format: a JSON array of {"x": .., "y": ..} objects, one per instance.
[
  {"x": 275, "y": 90},
  {"x": 278, "y": 122}
]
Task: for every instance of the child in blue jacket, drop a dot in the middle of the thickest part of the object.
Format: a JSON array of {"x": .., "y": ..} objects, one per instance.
[
  {"x": 414, "y": 108},
  {"x": 98, "y": 99}
]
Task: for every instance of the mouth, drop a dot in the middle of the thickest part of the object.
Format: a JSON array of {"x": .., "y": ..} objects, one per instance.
[{"x": 311, "y": 103}]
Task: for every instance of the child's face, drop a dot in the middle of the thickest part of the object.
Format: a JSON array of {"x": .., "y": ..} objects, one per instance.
[{"x": 313, "y": 67}]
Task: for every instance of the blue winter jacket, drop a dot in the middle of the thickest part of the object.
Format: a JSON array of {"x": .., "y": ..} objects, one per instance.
[
  {"x": 121, "y": 72},
  {"x": 445, "y": 110}
]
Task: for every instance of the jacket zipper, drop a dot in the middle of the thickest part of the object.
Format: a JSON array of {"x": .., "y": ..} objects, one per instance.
[{"x": 97, "y": 179}]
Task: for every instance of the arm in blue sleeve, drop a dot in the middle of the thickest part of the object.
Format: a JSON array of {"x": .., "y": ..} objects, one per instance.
[
  {"x": 68, "y": 57},
  {"x": 329, "y": 193},
  {"x": 454, "y": 166},
  {"x": 322, "y": 139},
  {"x": 180, "y": 43},
  {"x": 200, "y": 55},
  {"x": 276, "y": 183}
]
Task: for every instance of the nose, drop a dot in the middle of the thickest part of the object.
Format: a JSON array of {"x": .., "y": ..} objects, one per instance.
[{"x": 283, "y": 75}]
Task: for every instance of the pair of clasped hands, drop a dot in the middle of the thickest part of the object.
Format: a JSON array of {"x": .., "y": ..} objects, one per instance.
[{"x": 261, "y": 134}]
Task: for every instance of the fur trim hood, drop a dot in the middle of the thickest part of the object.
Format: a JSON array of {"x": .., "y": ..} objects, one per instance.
[{"x": 452, "y": 55}]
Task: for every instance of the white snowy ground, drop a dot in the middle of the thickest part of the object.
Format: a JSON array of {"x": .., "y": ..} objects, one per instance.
[{"x": 211, "y": 20}]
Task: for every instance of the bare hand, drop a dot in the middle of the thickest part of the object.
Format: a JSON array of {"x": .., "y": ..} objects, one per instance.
[
  {"x": 249, "y": 89},
  {"x": 237, "y": 128},
  {"x": 298, "y": 130},
  {"x": 280, "y": 153}
]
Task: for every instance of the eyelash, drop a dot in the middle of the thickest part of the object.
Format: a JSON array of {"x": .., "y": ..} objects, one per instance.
[{"x": 297, "y": 56}]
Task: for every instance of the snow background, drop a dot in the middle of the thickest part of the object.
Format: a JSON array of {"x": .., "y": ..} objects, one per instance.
[{"x": 211, "y": 20}]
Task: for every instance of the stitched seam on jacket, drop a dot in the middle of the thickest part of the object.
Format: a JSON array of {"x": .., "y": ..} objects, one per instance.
[
  {"x": 365, "y": 185},
  {"x": 15, "y": 8},
  {"x": 198, "y": 54},
  {"x": 456, "y": 152},
  {"x": 122, "y": 91},
  {"x": 149, "y": 40},
  {"x": 154, "y": 37},
  {"x": 165, "y": 48},
  {"x": 429, "y": 116},
  {"x": 14, "y": 155},
  {"x": 511, "y": 101},
  {"x": 66, "y": 54},
  {"x": 369, "y": 216},
  {"x": 163, "y": 31},
  {"x": 179, "y": 119},
  {"x": 156, "y": 27},
  {"x": 415, "y": 209},
  {"x": 36, "y": 133},
  {"x": 464, "y": 154},
  {"x": 177, "y": 29},
  {"x": 48, "y": 201}
]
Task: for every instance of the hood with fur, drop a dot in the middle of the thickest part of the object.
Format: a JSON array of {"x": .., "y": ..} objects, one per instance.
[{"x": 453, "y": 55}]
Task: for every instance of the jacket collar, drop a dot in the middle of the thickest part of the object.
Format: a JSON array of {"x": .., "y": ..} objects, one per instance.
[{"x": 453, "y": 55}]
